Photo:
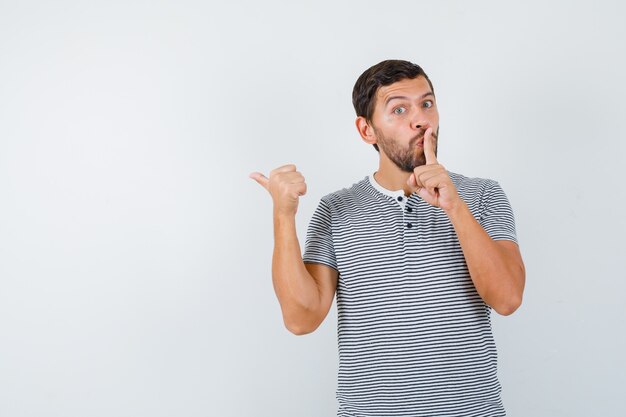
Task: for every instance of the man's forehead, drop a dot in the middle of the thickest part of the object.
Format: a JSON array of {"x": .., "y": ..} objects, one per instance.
[{"x": 407, "y": 87}]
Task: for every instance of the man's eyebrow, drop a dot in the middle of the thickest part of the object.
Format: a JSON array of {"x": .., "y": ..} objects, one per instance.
[{"x": 430, "y": 93}]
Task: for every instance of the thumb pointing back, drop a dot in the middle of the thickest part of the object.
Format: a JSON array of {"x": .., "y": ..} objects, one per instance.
[{"x": 261, "y": 179}]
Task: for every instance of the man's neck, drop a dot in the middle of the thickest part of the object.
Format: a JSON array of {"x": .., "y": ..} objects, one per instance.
[{"x": 391, "y": 177}]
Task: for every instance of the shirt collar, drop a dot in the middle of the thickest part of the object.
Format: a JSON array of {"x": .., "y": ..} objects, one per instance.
[{"x": 393, "y": 194}]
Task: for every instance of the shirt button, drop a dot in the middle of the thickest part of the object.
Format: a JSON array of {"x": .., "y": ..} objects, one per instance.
[
  {"x": 409, "y": 209},
  {"x": 409, "y": 225},
  {"x": 399, "y": 198}
]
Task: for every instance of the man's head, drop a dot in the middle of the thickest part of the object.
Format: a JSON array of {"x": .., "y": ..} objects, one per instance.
[{"x": 395, "y": 104}]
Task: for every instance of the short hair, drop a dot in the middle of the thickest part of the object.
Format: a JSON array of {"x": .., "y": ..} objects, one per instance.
[{"x": 382, "y": 74}]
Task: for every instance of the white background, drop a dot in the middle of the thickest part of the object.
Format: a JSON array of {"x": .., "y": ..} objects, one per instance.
[{"x": 135, "y": 252}]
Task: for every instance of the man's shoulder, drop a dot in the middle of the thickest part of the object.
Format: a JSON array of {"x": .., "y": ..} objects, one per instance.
[
  {"x": 350, "y": 192},
  {"x": 469, "y": 186},
  {"x": 350, "y": 197}
]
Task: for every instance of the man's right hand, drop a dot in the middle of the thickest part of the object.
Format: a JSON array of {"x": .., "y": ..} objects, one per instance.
[
  {"x": 305, "y": 291},
  {"x": 285, "y": 185}
]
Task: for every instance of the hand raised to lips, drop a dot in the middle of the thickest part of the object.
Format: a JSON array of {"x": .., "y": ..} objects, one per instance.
[{"x": 431, "y": 181}]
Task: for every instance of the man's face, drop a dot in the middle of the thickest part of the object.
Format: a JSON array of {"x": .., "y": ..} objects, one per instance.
[{"x": 404, "y": 111}]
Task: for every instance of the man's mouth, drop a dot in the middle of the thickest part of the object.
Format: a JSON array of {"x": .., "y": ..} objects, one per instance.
[{"x": 418, "y": 140}]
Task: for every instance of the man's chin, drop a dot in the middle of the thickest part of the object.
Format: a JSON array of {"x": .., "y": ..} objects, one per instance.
[{"x": 410, "y": 168}]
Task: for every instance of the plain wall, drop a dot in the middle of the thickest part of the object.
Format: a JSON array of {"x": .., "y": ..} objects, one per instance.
[{"x": 135, "y": 252}]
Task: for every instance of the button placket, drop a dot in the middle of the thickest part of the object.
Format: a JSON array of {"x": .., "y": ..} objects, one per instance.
[
  {"x": 407, "y": 215},
  {"x": 411, "y": 216}
]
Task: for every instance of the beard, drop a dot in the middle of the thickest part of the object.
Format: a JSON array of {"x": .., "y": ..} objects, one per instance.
[{"x": 409, "y": 158}]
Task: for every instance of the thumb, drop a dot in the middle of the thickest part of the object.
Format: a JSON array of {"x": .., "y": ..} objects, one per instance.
[
  {"x": 261, "y": 179},
  {"x": 412, "y": 182}
]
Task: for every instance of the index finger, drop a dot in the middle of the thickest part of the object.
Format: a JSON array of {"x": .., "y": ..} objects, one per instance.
[{"x": 429, "y": 147}]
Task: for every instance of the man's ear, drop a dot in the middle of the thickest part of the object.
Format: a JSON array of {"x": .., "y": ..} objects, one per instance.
[{"x": 365, "y": 130}]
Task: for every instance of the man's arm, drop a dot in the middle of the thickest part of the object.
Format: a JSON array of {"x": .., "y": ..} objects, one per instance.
[
  {"x": 305, "y": 291},
  {"x": 496, "y": 267}
]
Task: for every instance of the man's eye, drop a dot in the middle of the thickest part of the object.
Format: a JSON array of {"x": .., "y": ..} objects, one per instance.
[
  {"x": 399, "y": 110},
  {"x": 428, "y": 104}
]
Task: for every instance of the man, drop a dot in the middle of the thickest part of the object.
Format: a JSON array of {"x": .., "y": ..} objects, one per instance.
[{"x": 417, "y": 255}]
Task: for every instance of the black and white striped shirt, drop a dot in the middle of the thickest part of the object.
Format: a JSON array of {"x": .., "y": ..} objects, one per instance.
[{"x": 414, "y": 336}]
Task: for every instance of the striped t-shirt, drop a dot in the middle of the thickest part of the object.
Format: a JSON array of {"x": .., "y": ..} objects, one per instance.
[{"x": 414, "y": 335}]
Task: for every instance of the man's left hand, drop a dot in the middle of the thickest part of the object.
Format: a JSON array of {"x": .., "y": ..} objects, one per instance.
[{"x": 432, "y": 181}]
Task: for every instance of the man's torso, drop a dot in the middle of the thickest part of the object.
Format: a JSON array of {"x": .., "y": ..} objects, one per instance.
[{"x": 414, "y": 335}]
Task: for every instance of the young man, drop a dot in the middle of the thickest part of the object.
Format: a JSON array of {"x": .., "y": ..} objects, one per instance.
[{"x": 417, "y": 255}]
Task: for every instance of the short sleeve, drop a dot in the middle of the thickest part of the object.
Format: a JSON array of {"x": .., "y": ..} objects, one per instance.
[
  {"x": 496, "y": 215},
  {"x": 319, "y": 246}
]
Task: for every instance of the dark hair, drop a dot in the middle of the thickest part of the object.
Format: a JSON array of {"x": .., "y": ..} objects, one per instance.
[{"x": 382, "y": 74}]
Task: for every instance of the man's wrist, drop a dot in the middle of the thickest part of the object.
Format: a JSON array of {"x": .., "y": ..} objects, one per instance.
[
  {"x": 457, "y": 211},
  {"x": 284, "y": 216}
]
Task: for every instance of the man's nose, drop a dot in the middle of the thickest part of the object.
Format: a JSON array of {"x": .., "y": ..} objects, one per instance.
[{"x": 418, "y": 121}]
